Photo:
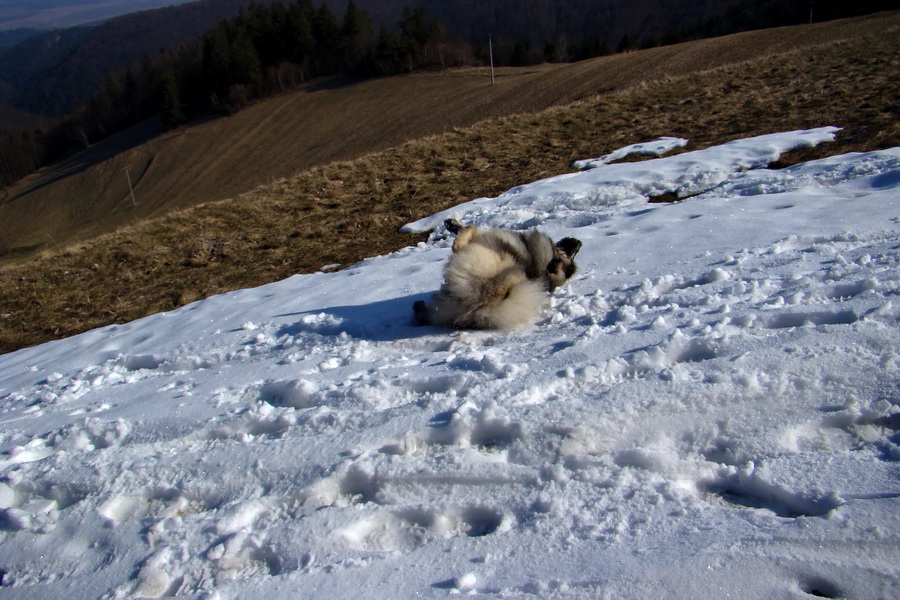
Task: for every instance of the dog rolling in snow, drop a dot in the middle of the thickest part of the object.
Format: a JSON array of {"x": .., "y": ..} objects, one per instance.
[{"x": 497, "y": 279}]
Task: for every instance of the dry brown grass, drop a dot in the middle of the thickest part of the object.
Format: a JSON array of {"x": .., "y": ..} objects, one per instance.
[
  {"x": 342, "y": 212},
  {"x": 87, "y": 195}
]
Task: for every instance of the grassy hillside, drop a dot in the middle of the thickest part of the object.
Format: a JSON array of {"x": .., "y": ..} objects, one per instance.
[
  {"x": 305, "y": 212},
  {"x": 88, "y": 194}
]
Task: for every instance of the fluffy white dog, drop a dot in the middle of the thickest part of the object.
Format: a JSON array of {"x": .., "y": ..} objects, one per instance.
[{"x": 498, "y": 279}]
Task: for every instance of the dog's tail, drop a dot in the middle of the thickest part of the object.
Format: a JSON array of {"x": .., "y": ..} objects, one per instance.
[{"x": 485, "y": 289}]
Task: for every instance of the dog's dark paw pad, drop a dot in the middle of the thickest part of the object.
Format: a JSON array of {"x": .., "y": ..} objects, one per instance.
[
  {"x": 569, "y": 246},
  {"x": 453, "y": 226}
]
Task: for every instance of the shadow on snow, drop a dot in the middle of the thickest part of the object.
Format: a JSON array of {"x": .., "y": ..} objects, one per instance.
[{"x": 386, "y": 320}]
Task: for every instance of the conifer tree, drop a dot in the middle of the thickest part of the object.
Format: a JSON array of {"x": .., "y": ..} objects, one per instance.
[
  {"x": 245, "y": 65},
  {"x": 327, "y": 34},
  {"x": 389, "y": 52},
  {"x": 298, "y": 32},
  {"x": 357, "y": 39},
  {"x": 172, "y": 106}
]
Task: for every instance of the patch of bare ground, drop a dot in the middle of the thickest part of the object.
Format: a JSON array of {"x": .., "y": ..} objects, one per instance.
[{"x": 341, "y": 212}]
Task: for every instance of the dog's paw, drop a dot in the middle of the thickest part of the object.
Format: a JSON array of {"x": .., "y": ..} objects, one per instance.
[
  {"x": 569, "y": 246},
  {"x": 420, "y": 310},
  {"x": 453, "y": 226}
]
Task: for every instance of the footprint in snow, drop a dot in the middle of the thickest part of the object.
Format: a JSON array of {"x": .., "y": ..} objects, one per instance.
[{"x": 408, "y": 528}]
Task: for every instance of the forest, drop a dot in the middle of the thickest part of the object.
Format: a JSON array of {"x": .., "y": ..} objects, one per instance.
[{"x": 266, "y": 49}]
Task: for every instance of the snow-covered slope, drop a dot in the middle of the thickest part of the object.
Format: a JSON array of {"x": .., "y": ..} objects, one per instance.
[{"x": 709, "y": 409}]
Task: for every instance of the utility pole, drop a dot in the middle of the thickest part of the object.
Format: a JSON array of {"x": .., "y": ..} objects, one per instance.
[
  {"x": 130, "y": 188},
  {"x": 491, "y": 53}
]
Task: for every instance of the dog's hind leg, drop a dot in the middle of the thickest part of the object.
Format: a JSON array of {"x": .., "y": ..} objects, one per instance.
[
  {"x": 420, "y": 310},
  {"x": 463, "y": 233}
]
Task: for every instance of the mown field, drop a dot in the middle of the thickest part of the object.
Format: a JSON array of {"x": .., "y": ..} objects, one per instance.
[{"x": 327, "y": 175}]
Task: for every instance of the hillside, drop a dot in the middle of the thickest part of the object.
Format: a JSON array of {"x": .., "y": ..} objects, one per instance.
[
  {"x": 56, "y": 71},
  {"x": 65, "y": 13},
  {"x": 334, "y": 120},
  {"x": 11, "y": 37},
  {"x": 14, "y": 120},
  {"x": 708, "y": 91}
]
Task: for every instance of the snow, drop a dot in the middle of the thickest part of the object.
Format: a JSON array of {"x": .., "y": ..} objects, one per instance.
[
  {"x": 708, "y": 409},
  {"x": 658, "y": 147},
  {"x": 577, "y": 200}
]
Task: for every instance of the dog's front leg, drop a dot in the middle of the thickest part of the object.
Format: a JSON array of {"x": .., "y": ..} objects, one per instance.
[
  {"x": 464, "y": 233},
  {"x": 453, "y": 226}
]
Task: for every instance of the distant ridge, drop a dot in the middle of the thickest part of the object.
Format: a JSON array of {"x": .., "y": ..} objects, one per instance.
[
  {"x": 53, "y": 14},
  {"x": 55, "y": 71}
]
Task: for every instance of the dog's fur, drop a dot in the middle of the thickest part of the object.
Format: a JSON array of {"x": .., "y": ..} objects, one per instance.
[{"x": 497, "y": 279}]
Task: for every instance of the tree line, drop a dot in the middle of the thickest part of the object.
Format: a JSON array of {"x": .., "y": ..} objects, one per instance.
[
  {"x": 271, "y": 48},
  {"x": 266, "y": 49}
]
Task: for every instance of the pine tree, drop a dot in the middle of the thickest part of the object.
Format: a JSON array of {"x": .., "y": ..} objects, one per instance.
[
  {"x": 418, "y": 30},
  {"x": 298, "y": 33},
  {"x": 245, "y": 67},
  {"x": 216, "y": 61},
  {"x": 389, "y": 52},
  {"x": 327, "y": 34},
  {"x": 357, "y": 39},
  {"x": 172, "y": 105}
]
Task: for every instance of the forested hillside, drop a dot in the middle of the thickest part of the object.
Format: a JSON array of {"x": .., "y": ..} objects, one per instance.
[
  {"x": 11, "y": 37},
  {"x": 574, "y": 29},
  {"x": 264, "y": 50},
  {"x": 53, "y": 72},
  {"x": 188, "y": 61},
  {"x": 56, "y": 71},
  {"x": 46, "y": 14}
]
